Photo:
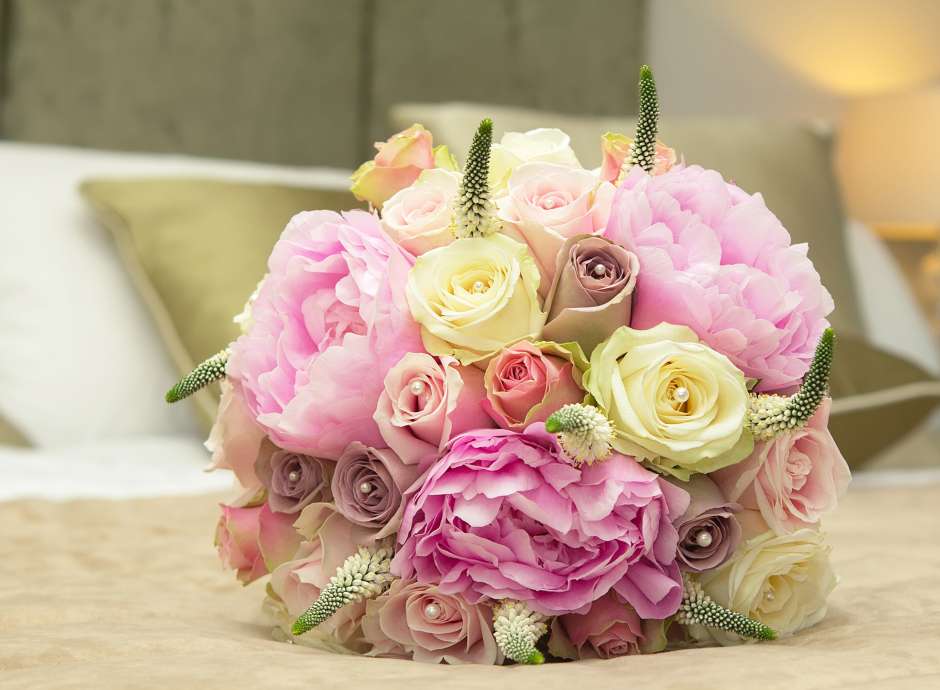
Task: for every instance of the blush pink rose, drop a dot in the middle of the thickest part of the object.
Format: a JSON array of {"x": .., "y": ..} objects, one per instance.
[
  {"x": 417, "y": 621},
  {"x": 611, "y": 628},
  {"x": 397, "y": 164},
  {"x": 330, "y": 320},
  {"x": 253, "y": 540},
  {"x": 505, "y": 515},
  {"x": 330, "y": 540},
  {"x": 426, "y": 402},
  {"x": 616, "y": 147},
  {"x": 235, "y": 438},
  {"x": 420, "y": 217},
  {"x": 527, "y": 382},
  {"x": 715, "y": 259},
  {"x": 546, "y": 203},
  {"x": 793, "y": 479}
]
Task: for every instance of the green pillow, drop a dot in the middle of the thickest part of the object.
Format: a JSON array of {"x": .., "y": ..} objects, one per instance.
[
  {"x": 196, "y": 250},
  {"x": 11, "y": 436}
]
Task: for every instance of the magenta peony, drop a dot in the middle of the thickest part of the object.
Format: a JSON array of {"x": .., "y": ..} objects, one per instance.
[
  {"x": 715, "y": 258},
  {"x": 330, "y": 320},
  {"x": 504, "y": 515}
]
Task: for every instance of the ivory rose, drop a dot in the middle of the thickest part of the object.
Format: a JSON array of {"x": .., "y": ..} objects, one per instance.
[
  {"x": 426, "y": 402},
  {"x": 515, "y": 148},
  {"x": 592, "y": 293},
  {"x": 420, "y": 217},
  {"x": 547, "y": 203},
  {"x": 615, "y": 148},
  {"x": 792, "y": 479},
  {"x": 526, "y": 382},
  {"x": 781, "y": 580},
  {"x": 235, "y": 437},
  {"x": 422, "y": 623},
  {"x": 475, "y": 296},
  {"x": 674, "y": 401},
  {"x": 611, "y": 628},
  {"x": 253, "y": 540},
  {"x": 329, "y": 540},
  {"x": 397, "y": 164}
]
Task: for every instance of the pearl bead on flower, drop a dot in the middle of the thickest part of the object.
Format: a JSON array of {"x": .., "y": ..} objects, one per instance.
[
  {"x": 769, "y": 595},
  {"x": 293, "y": 475},
  {"x": 680, "y": 394},
  {"x": 600, "y": 270},
  {"x": 479, "y": 286},
  {"x": 365, "y": 487},
  {"x": 703, "y": 538},
  {"x": 432, "y": 611},
  {"x": 417, "y": 387}
]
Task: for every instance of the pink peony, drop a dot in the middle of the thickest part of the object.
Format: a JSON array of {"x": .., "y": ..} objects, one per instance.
[
  {"x": 527, "y": 382},
  {"x": 420, "y": 622},
  {"x": 611, "y": 628},
  {"x": 792, "y": 479},
  {"x": 426, "y": 402},
  {"x": 330, "y": 320},
  {"x": 714, "y": 258},
  {"x": 504, "y": 515},
  {"x": 254, "y": 540},
  {"x": 235, "y": 439}
]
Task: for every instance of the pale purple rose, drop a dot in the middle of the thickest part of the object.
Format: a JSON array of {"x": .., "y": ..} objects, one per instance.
[
  {"x": 793, "y": 479},
  {"x": 329, "y": 321},
  {"x": 610, "y": 629},
  {"x": 368, "y": 484},
  {"x": 419, "y": 622},
  {"x": 715, "y": 259},
  {"x": 293, "y": 480},
  {"x": 709, "y": 532},
  {"x": 592, "y": 293},
  {"x": 426, "y": 402},
  {"x": 505, "y": 515}
]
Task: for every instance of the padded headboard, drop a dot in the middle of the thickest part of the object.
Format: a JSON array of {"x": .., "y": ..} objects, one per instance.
[{"x": 298, "y": 81}]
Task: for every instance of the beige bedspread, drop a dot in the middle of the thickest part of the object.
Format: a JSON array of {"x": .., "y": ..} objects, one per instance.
[{"x": 98, "y": 594}]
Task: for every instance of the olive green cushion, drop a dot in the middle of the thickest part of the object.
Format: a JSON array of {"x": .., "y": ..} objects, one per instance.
[
  {"x": 196, "y": 250},
  {"x": 11, "y": 436}
]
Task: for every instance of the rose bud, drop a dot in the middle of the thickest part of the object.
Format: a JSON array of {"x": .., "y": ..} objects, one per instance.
[
  {"x": 293, "y": 480},
  {"x": 592, "y": 293},
  {"x": 709, "y": 532},
  {"x": 368, "y": 484},
  {"x": 527, "y": 382}
]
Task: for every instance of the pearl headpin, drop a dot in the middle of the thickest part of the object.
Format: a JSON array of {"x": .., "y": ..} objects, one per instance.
[
  {"x": 703, "y": 538},
  {"x": 432, "y": 611},
  {"x": 365, "y": 487},
  {"x": 681, "y": 394},
  {"x": 479, "y": 286},
  {"x": 293, "y": 475},
  {"x": 600, "y": 270},
  {"x": 417, "y": 387}
]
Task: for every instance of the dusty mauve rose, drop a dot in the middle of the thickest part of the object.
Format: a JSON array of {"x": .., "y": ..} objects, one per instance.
[
  {"x": 547, "y": 203},
  {"x": 253, "y": 540},
  {"x": 426, "y": 402},
  {"x": 368, "y": 484},
  {"x": 792, "y": 479},
  {"x": 709, "y": 532},
  {"x": 293, "y": 480},
  {"x": 592, "y": 293},
  {"x": 420, "y": 622},
  {"x": 235, "y": 437},
  {"x": 527, "y": 382},
  {"x": 611, "y": 628},
  {"x": 296, "y": 584}
]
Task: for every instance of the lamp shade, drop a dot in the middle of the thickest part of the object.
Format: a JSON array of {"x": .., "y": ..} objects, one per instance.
[{"x": 888, "y": 158}]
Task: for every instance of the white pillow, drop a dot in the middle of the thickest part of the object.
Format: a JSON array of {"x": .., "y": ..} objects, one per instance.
[{"x": 80, "y": 359}]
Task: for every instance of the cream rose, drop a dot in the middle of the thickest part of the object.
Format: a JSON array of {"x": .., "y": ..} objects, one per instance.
[
  {"x": 674, "y": 401},
  {"x": 419, "y": 217},
  {"x": 515, "y": 148},
  {"x": 475, "y": 296},
  {"x": 546, "y": 203},
  {"x": 782, "y": 581}
]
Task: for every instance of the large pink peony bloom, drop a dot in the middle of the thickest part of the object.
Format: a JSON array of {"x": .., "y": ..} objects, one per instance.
[
  {"x": 330, "y": 320},
  {"x": 715, "y": 258},
  {"x": 504, "y": 515}
]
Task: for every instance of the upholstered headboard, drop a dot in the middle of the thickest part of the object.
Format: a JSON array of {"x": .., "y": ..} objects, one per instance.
[{"x": 297, "y": 81}]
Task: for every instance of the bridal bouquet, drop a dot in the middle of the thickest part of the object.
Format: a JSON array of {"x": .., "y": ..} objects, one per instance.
[{"x": 527, "y": 410}]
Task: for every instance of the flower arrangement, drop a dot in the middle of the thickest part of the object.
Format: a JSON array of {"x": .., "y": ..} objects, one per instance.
[{"x": 528, "y": 411}]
